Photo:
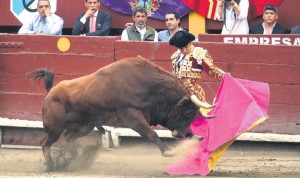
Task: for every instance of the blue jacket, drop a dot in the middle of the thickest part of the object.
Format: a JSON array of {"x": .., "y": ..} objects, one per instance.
[{"x": 103, "y": 25}]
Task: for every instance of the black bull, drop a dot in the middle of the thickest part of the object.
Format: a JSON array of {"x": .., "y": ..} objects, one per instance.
[{"x": 132, "y": 93}]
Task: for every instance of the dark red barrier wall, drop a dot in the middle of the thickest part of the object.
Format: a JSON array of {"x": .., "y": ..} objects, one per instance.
[{"x": 20, "y": 98}]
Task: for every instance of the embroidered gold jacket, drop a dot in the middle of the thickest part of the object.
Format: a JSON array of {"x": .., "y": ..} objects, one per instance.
[{"x": 193, "y": 64}]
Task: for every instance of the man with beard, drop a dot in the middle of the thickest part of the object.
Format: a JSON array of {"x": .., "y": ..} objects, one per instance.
[
  {"x": 93, "y": 22},
  {"x": 139, "y": 31},
  {"x": 44, "y": 22}
]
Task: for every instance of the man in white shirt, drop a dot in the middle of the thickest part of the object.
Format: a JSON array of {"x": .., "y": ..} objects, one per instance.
[
  {"x": 139, "y": 31},
  {"x": 44, "y": 22}
]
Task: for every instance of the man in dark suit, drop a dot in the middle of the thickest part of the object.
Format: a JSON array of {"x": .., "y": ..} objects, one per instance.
[
  {"x": 93, "y": 22},
  {"x": 270, "y": 25},
  {"x": 295, "y": 30}
]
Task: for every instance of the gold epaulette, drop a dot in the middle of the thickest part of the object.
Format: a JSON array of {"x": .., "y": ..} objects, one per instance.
[{"x": 199, "y": 53}]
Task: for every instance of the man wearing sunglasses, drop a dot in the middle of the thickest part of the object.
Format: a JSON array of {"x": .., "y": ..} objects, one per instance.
[{"x": 44, "y": 22}]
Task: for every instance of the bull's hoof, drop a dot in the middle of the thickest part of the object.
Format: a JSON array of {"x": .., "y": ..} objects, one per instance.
[
  {"x": 168, "y": 153},
  {"x": 49, "y": 166}
]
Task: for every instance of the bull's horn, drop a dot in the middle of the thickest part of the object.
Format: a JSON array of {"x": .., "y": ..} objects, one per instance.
[{"x": 199, "y": 103}]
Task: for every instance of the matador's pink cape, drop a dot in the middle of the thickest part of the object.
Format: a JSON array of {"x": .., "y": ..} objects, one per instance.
[{"x": 242, "y": 104}]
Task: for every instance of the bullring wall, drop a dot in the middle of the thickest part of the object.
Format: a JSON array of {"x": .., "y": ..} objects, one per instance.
[{"x": 20, "y": 98}]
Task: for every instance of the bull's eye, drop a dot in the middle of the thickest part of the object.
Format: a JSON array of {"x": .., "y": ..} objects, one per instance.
[{"x": 188, "y": 113}]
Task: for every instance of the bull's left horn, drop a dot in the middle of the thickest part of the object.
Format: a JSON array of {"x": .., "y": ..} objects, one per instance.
[{"x": 199, "y": 103}]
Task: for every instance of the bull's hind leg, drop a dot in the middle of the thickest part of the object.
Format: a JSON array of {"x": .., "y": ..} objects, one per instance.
[
  {"x": 85, "y": 159},
  {"x": 47, "y": 142},
  {"x": 136, "y": 120},
  {"x": 75, "y": 131},
  {"x": 68, "y": 151}
]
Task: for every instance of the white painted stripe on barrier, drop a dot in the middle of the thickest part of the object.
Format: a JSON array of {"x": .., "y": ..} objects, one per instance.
[
  {"x": 269, "y": 137},
  {"x": 21, "y": 147},
  {"x": 20, "y": 123},
  {"x": 119, "y": 132}
]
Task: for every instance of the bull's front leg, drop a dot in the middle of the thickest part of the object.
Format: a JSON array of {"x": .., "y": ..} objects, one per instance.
[
  {"x": 135, "y": 120},
  {"x": 150, "y": 134}
]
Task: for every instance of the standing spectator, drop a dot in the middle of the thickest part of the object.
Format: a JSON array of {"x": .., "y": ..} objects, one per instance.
[
  {"x": 234, "y": 14},
  {"x": 172, "y": 21},
  {"x": 44, "y": 22},
  {"x": 270, "y": 25},
  {"x": 139, "y": 31},
  {"x": 295, "y": 30},
  {"x": 93, "y": 22}
]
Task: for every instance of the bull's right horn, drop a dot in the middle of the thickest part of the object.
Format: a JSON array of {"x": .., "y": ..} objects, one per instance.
[{"x": 199, "y": 103}]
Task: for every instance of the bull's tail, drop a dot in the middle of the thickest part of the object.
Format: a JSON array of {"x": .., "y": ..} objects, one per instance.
[{"x": 43, "y": 73}]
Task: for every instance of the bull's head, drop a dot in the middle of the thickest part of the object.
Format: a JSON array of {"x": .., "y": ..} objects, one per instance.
[{"x": 183, "y": 114}]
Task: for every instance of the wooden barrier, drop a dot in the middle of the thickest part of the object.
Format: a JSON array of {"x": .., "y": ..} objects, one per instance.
[
  {"x": 277, "y": 65},
  {"x": 20, "y": 98}
]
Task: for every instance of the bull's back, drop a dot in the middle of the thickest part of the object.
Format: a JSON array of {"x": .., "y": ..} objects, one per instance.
[
  {"x": 127, "y": 82},
  {"x": 132, "y": 81},
  {"x": 138, "y": 68},
  {"x": 68, "y": 93}
]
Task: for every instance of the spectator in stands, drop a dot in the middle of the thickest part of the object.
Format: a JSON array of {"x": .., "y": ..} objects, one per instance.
[
  {"x": 295, "y": 30},
  {"x": 234, "y": 14},
  {"x": 139, "y": 31},
  {"x": 93, "y": 22},
  {"x": 173, "y": 25},
  {"x": 44, "y": 22},
  {"x": 270, "y": 25}
]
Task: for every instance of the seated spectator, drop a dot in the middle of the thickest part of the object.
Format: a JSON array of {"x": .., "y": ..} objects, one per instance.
[
  {"x": 270, "y": 25},
  {"x": 295, "y": 30},
  {"x": 93, "y": 22},
  {"x": 234, "y": 14},
  {"x": 44, "y": 22},
  {"x": 173, "y": 25},
  {"x": 139, "y": 31}
]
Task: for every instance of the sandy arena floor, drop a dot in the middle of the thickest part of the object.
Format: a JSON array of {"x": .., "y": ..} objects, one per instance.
[{"x": 137, "y": 158}]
